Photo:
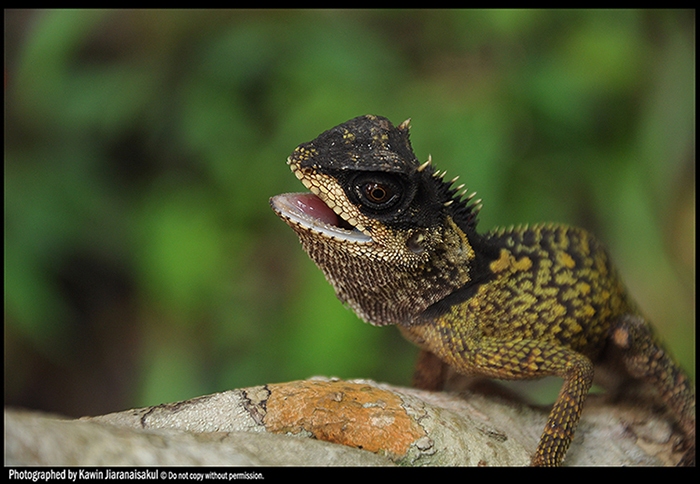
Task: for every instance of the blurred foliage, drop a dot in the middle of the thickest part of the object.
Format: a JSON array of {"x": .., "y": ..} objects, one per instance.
[{"x": 142, "y": 261}]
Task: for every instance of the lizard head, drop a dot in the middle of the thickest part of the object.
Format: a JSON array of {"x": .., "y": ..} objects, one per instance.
[{"x": 390, "y": 234}]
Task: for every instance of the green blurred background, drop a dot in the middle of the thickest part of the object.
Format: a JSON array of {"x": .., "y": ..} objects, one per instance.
[{"x": 142, "y": 261}]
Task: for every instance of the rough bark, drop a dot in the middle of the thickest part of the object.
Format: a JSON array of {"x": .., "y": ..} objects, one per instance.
[{"x": 303, "y": 423}]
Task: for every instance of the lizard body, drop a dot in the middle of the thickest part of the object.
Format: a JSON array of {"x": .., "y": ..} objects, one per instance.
[{"x": 399, "y": 245}]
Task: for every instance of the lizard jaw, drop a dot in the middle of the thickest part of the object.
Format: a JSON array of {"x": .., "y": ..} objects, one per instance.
[{"x": 310, "y": 213}]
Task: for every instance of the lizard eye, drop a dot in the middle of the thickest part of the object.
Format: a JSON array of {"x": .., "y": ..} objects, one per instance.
[{"x": 377, "y": 192}]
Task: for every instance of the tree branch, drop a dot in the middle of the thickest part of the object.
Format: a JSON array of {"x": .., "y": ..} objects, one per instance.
[{"x": 301, "y": 423}]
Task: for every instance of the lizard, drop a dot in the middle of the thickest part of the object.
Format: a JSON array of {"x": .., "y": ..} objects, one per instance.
[{"x": 400, "y": 246}]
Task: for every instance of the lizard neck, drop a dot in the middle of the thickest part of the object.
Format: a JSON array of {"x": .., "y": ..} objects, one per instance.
[{"x": 385, "y": 290}]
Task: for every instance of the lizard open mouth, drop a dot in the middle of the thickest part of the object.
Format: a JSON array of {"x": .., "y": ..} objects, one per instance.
[{"x": 310, "y": 212}]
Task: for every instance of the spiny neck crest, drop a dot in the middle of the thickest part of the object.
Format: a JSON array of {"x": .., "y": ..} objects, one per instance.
[{"x": 463, "y": 208}]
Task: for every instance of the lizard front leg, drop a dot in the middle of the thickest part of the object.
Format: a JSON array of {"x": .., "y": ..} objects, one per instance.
[
  {"x": 430, "y": 372},
  {"x": 566, "y": 412},
  {"x": 526, "y": 359}
]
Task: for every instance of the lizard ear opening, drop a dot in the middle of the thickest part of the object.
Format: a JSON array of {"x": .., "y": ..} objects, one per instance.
[{"x": 415, "y": 243}]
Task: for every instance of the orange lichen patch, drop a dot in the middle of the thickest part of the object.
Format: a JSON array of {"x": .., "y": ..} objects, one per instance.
[{"x": 352, "y": 414}]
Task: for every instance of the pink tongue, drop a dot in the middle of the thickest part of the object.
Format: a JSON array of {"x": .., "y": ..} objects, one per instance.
[{"x": 312, "y": 206}]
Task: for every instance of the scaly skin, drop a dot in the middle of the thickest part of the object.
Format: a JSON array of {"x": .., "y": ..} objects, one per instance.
[{"x": 399, "y": 245}]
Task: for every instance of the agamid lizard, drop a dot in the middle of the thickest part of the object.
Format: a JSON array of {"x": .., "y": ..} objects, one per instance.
[{"x": 399, "y": 244}]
